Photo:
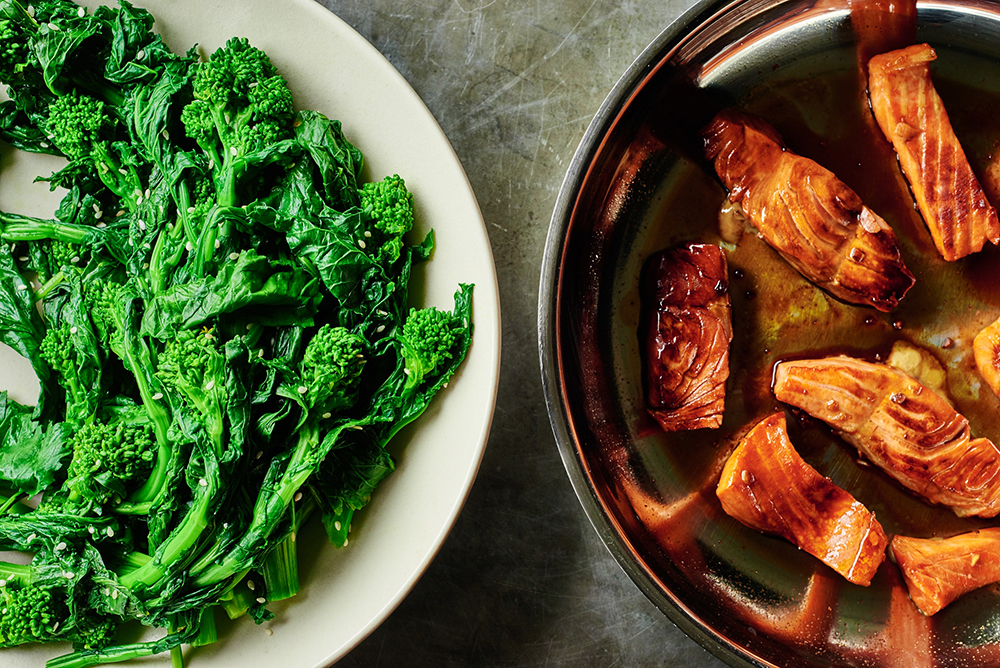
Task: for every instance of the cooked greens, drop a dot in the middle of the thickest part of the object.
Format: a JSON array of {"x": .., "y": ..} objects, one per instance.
[{"x": 217, "y": 312}]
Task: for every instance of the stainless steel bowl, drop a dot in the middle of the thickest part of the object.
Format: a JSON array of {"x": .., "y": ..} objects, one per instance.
[{"x": 638, "y": 183}]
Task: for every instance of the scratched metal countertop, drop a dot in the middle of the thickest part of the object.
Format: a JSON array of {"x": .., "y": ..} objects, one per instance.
[{"x": 523, "y": 579}]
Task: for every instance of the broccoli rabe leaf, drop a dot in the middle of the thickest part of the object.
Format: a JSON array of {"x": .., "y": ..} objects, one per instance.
[{"x": 30, "y": 456}]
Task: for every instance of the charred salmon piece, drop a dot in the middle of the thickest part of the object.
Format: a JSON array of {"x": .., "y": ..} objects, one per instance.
[
  {"x": 910, "y": 112},
  {"x": 688, "y": 331},
  {"x": 986, "y": 350},
  {"x": 937, "y": 571},
  {"x": 901, "y": 426},
  {"x": 812, "y": 218},
  {"x": 767, "y": 486}
]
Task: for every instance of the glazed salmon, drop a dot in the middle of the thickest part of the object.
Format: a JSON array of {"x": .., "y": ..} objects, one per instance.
[
  {"x": 937, "y": 571},
  {"x": 913, "y": 118},
  {"x": 767, "y": 486},
  {"x": 812, "y": 218},
  {"x": 688, "y": 331},
  {"x": 901, "y": 426},
  {"x": 986, "y": 350}
]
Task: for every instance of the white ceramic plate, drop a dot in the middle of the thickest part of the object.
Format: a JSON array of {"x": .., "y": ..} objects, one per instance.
[{"x": 346, "y": 593}]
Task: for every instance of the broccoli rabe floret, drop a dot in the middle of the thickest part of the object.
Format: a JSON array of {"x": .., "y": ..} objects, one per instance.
[
  {"x": 241, "y": 105},
  {"x": 194, "y": 366},
  {"x": 29, "y": 614},
  {"x": 331, "y": 369},
  {"x": 81, "y": 127},
  {"x": 390, "y": 206},
  {"x": 428, "y": 340},
  {"x": 15, "y": 54},
  {"x": 109, "y": 459},
  {"x": 61, "y": 355}
]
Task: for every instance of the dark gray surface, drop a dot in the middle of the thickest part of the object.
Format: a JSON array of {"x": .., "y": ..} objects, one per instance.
[{"x": 523, "y": 579}]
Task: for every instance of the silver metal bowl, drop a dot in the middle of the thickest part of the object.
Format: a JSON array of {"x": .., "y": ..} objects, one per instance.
[{"x": 637, "y": 184}]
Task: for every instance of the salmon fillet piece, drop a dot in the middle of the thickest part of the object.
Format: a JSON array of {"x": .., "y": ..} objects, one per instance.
[
  {"x": 986, "y": 350},
  {"x": 938, "y": 571},
  {"x": 767, "y": 486},
  {"x": 688, "y": 331},
  {"x": 901, "y": 426},
  {"x": 913, "y": 118},
  {"x": 812, "y": 218}
]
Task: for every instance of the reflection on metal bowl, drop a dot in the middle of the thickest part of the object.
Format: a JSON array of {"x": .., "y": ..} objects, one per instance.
[{"x": 639, "y": 184}]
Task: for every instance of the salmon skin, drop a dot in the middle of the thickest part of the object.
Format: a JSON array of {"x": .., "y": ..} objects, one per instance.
[
  {"x": 688, "y": 331},
  {"x": 913, "y": 118},
  {"x": 938, "y": 571},
  {"x": 901, "y": 426},
  {"x": 812, "y": 218},
  {"x": 767, "y": 486}
]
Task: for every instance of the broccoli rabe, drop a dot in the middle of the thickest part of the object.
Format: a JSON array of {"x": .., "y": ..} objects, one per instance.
[
  {"x": 109, "y": 459},
  {"x": 81, "y": 127},
  {"x": 242, "y": 106},
  {"x": 390, "y": 206},
  {"x": 194, "y": 366}
]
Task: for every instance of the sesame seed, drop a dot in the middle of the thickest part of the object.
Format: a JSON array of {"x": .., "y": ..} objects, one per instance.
[
  {"x": 297, "y": 497},
  {"x": 345, "y": 542},
  {"x": 53, "y": 26},
  {"x": 138, "y": 200},
  {"x": 23, "y": 258},
  {"x": 368, "y": 234},
  {"x": 210, "y": 385},
  {"x": 203, "y": 483},
  {"x": 91, "y": 530},
  {"x": 157, "y": 396},
  {"x": 145, "y": 265},
  {"x": 43, "y": 144},
  {"x": 261, "y": 599},
  {"x": 361, "y": 244},
  {"x": 60, "y": 546},
  {"x": 380, "y": 329},
  {"x": 250, "y": 585},
  {"x": 114, "y": 594},
  {"x": 406, "y": 371},
  {"x": 259, "y": 454},
  {"x": 292, "y": 536},
  {"x": 357, "y": 426},
  {"x": 74, "y": 259},
  {"x": 218, "y": 244},
  {"x": 32, "y": 537},
  {"x": 73, "y": 330},
  {"x": 55, "y": 627},
  {"x": 211, "y": 164},
  {"x": 110, "y": 532},
  {"x": 191, "y": 209},
  {"x": 337, "y": 525},
  {"x": 260, "y": 353},
  {"x": 98, "y": 214},
  {"x": 166, "y": 134},
  {"x": 68, "y": 575},
  {"x": 31, "y": 11},
  {"x": 382, "y": 313},
  {"x": 233, "y": 152},
  {"x": 303, "y": 389},
  {"x": 249, "y": 326},
  {"x": 269, "y": 632},
  {"x": 142, "y": 225},
  {"x": 81, "y": 12},
  {"x": 131, "y": 242},
  {"x": 101, "y": 226},
  {"x": 234, "y": 256},
  {"x": 188, "y": 246},
  {"x": 3, "y": 583},
  {"x": 445, "y": 384},
  {"x": 120, "y": 213},
  {"x": 327, "y": 416},
  {"x": 22, "y": 287},
  {"x": 140, "y": 55},
  {"x": 146, "y": 194}
]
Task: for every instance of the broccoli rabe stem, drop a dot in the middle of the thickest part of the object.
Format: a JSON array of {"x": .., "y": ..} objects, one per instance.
[
  {"x": 14, "y": 227},
  {"x": 273, "y": 502}
]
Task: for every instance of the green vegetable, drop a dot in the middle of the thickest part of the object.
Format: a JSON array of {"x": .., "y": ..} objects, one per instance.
[{"x": 218, "y": 315}]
